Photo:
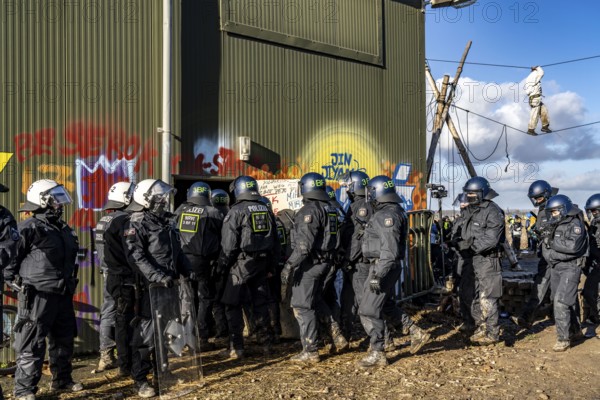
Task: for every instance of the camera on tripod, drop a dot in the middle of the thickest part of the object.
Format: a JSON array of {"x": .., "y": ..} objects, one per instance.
[{"x": 437, "y": 191}]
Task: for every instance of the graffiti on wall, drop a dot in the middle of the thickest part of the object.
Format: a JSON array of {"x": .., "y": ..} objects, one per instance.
[
  {"x": 99, "y": 157},
  {"x": 324, "y": 155},
  {"x": 340, "y": 164}
]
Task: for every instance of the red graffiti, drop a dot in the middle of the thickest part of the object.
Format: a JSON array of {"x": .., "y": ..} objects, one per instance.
[
  {"x": 83, "y": 218},
  {"x": 223, "y": 163},
  {"x": 29, "y": 145}
]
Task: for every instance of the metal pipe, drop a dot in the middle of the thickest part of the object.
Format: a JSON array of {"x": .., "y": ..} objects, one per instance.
[{"x": 166, "y": 91}]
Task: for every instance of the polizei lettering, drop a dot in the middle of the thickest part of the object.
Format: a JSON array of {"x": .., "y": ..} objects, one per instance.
[{"x": 258, "y": 208}]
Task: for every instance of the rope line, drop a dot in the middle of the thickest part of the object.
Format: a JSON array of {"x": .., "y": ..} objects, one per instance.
[
  {"x": 520, "y": 130},
  {"x": 515, "y": 66}
]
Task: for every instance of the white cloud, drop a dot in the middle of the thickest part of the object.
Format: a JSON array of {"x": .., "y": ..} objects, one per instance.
[{"x": 562, "y": 158}]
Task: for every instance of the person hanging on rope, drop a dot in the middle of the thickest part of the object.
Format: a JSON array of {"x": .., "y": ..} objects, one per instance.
[{"x": 533, "y": 88}]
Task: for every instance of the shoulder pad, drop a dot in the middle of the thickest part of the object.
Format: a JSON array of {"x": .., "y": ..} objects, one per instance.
[
  {"x": 14, "y": 234},
  {"x": 137, "y": 216},
  {"x": 106, "y": 218}
]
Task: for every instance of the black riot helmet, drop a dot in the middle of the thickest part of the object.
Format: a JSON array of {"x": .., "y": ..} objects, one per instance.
[
  {"x": 592, "y": 206},
  {"x": 219, "y": 197},
  {"x": 560, "y": 203},
  {"x": 331, "y": 193},
  {"x": 539, "y": 193},
  {"x": 244, "y": 188},
  {"x": 355, "y": 183},
  {"x": 312, "y": 186},
  {"x": 381, "y": 189},
  {"x": 478, "y": 189},
  {"x": 199, "y": 193}
]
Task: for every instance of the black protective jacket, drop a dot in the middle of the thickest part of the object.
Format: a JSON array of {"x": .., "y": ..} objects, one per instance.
[
  {"x": 154, "y": 247},
  {"x": 483, "y": 226},
  {"x": 315, "y": 232},
  {"x": 594, "y": 240},
  {"x": 385, "y": 237},
  {"x": 200, "y": 231},
  {"x": 568, "y": 244},
  {"x": 9, "y": 237},
  {"x": 110, "y": 244},
  {"x": 353, "y": 228},
  {"x": 46, "y": 255},
  {"x": 249, "y": 229},
  {"x": 285, "y": 223}
]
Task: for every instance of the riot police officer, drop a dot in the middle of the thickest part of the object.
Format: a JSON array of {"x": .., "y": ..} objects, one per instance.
[
  {"x": 220, "y": 200},
  {"x": 315, "y": 238},
  {"x": 117, "y": 306},
  {"x": 45, "y": 263},
  {"x": 249, "y": 242},
  {"x": 200, "y": 227},
  {"x": 9, "y": 236},
  {"x": 464, "y": 267},
  {"x": 539, "y": 193},
  {"x": 354, "y": 265},
  {"x": 154, "y": 252},
  {"x": 384, "y": 247},
  {"x": 565, "y": 249},
  {"x": 274, "y": 274},
  {"x": 591, "y": 289},
  {"x": 482, "y": 235}
]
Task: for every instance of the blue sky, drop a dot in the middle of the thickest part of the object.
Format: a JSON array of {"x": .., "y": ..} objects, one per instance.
[{"x": 525, "y": 33}]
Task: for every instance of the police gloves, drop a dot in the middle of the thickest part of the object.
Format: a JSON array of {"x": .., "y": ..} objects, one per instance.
[
  {"x": 286, "y": 274},
  {"x": 375, "y": 284},
  {"x": 465, "y": 244},
  {"x": 167, "y": 281}
]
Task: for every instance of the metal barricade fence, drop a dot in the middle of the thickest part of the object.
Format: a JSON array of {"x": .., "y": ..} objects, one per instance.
[{"x": 417, "y": 275}]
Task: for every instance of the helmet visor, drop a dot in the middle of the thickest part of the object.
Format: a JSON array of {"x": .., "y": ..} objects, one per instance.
[
  {"x": 58, "y": 196},
  {"x": 160, "y": 192}
]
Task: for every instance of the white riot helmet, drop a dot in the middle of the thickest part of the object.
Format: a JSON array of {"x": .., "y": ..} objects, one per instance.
[
  {"x": 119, "y": 195},
  {"x": 45, "y": 193},
  {"x": 152, "y": 195}
]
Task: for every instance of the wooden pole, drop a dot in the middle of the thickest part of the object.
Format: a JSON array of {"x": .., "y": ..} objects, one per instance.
[
  {"x": 459, "y": 144},
  {"x": 437, "y": 132}
]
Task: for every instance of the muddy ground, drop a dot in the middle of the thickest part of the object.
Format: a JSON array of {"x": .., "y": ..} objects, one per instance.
[{"x": 522, "y": 366}]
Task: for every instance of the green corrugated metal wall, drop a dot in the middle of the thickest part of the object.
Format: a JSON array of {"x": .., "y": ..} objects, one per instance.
[
  {"x": 314, "y": 110},
  {"x": 80, "y": 86}
]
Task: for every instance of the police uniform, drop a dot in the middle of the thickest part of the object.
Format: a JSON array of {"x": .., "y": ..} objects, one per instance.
[
  {"x": 119, "y": 291},
  {"x": 283, "y": 224},
  {"x": 314, "y": 240},
  {"x": 565, "y": 251},
  {"x": 200, "y": 230},
  {"x": 591, "y": 288},
  {"x": 249, "y": 243},
  {"x": 154, "y": 252},
  {"x": 9, "y": 237},
  {"x": 483, "y": 228},
  {"x": 46, "y": 256},
  {"x": 356, "y": 267},
  {"x": 384, "y": 247},
  {"x": 541, "y": 279},
  {"x": 464, "y": 270}
]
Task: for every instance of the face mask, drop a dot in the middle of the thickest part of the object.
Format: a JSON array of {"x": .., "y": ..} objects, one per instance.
[
  {"x": 54, "y": 213},
  {"x": 473, "y": 200}
]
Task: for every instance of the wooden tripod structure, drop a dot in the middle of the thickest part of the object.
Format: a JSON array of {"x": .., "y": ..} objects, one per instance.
[{"x": 444, "y": 101}]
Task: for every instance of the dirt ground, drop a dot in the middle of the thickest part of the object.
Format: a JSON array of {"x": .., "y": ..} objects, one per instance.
[{"x": 522, "y": 366}]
